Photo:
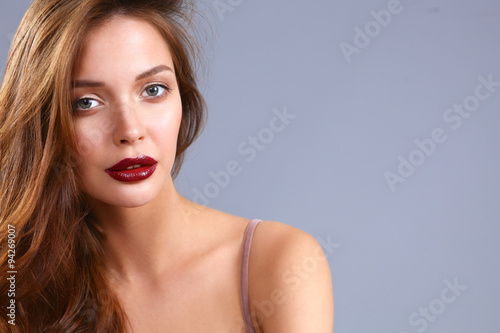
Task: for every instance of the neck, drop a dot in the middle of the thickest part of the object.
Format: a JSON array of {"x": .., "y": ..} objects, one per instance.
[{"x": 144, "y": 242}]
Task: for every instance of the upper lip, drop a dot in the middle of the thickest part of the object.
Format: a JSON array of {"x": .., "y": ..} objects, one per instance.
[{"x": 142, "y": 160}]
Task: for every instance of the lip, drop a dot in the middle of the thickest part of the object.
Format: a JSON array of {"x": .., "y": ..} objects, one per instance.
[{"x": 145, "y": 167}]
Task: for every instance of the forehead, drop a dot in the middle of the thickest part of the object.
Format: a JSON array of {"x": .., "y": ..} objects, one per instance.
[{"x": 122, "y": 43}]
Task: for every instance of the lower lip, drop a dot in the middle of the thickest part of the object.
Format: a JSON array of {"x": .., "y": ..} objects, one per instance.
[{"x": 133, "y": 175}]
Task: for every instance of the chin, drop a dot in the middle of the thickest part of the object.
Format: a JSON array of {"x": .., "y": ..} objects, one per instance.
[
  {"x": 124, "y": 202},
  {"x": 124, "y": 199},
  {"x": 132, "y": 204}
]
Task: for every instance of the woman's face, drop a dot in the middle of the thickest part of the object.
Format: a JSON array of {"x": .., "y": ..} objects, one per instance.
[{"x": 127, "y": 112}]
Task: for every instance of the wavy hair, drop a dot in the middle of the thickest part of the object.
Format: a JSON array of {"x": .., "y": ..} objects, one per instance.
[{"x": 61, "y": 285}]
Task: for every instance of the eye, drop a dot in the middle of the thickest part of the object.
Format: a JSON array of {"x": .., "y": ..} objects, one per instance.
[
  {"x": 85, "y": 104},
  {"x": 155, "y": 90}
]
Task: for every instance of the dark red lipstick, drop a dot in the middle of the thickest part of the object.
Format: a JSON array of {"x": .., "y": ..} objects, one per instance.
[{"x": 133, "y": 169}]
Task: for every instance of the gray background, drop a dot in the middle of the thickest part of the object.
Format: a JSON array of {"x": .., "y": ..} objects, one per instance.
[{"x": 393, "y": 251}]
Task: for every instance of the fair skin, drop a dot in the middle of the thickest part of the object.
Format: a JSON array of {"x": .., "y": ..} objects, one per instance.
[{"x": 175, "y": 265}]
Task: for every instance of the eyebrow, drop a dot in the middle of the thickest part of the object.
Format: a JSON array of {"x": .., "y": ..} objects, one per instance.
[
  {"x": 153, "y": 71},
  {"x": 148, "y": 73}
]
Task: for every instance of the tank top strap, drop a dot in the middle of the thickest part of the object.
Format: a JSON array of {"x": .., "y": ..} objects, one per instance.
[{"x": 245, "y": 298}]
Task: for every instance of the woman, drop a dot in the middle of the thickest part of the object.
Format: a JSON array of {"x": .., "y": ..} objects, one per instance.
[{"x": 98, "y": 105}]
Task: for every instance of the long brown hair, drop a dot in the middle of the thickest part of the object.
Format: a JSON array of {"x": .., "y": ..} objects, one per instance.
[{"x": 61, "y": 284}]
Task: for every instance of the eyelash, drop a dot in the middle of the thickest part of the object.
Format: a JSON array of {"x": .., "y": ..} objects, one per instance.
[{"x": 159, "y": 85}]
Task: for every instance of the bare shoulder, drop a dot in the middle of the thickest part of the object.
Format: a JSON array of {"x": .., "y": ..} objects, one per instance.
[
  {"x": 287, "y": 245},
  {"x": 282, "y": 237},
  {"x": 290, "y": 281}
]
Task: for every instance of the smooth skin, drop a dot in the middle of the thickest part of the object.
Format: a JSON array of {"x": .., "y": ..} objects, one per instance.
[{"x": 175, "y": 265}]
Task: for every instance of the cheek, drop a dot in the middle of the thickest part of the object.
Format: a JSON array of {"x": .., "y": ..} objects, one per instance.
[
  {"x": 90, "y": 136},
  {"x": 166, "y": 130}
]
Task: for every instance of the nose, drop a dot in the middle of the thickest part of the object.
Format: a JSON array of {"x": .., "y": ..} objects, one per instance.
[{"x": 129, "y": 127}]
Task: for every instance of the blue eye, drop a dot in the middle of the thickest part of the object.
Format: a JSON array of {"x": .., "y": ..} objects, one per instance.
[
  {"x": 155, "y": 90},
  {"x": 85, "y": 104}
]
